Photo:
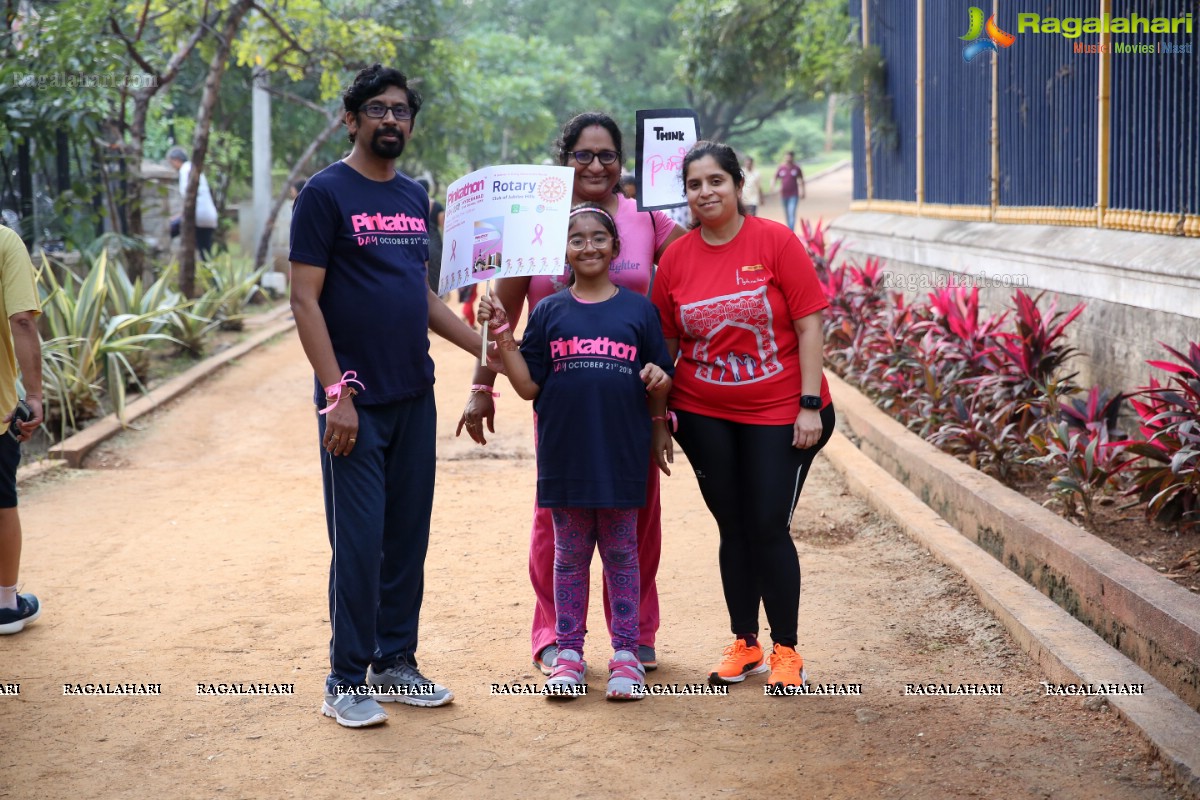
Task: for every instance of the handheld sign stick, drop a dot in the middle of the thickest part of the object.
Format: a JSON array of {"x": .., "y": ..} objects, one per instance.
[{"x": 487, "y": 289}]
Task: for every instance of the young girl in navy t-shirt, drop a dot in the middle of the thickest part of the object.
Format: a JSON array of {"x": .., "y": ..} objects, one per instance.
[{"x": 590, "y": 358}]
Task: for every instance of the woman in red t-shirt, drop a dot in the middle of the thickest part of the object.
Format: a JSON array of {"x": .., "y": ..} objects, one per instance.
[{"x": 740, "y": 306}]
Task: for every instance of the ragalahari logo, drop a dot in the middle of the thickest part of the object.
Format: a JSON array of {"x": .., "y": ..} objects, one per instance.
[{"x": 996, "y": 38}]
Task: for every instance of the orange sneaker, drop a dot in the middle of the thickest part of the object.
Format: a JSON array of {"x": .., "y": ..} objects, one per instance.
[
  {"x": 737, "y": 662},
  {"x": 787, "y": 667}
]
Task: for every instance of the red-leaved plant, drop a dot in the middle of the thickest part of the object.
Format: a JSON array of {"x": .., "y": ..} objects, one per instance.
[
  {"x": 1167, "y": 479},
  {"x": 1086, "y": 449},
  {"x": 820, "y": 250}
]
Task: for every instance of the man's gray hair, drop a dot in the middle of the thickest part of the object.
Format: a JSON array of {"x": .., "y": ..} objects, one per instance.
[{"x": 176, "y": 154}]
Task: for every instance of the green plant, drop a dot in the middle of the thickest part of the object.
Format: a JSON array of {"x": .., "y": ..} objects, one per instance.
[
  {"x": 89, "y": 348},
  {"x": 147, "y": 306},
  {"x": 235, "y": 282},
  {"x": 190, "y": 327}
]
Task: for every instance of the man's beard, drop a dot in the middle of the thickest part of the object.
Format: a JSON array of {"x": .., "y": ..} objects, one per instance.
[{"x": 387, "y": 149}]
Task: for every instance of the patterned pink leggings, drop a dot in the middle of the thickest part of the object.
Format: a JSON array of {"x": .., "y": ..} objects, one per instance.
[{"x": 577, "y": 531}]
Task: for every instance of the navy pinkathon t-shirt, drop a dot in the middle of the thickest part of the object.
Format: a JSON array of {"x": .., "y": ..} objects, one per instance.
[
  {"x": 593, "y": 421},
  {"x": 371, "y": 238}
]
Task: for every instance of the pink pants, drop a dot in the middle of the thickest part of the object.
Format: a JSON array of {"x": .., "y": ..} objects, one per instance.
[{"x": 541, "y": 570}]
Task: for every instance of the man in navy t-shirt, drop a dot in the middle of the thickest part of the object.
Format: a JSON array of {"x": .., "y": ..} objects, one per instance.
[{"x": 360, "y": 243}]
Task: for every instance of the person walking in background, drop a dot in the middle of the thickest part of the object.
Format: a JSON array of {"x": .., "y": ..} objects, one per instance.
[
  {"x": 790, "y": 179},
  {"x": 20, "y": 350},
  {"x": 363, "y": 311},
  {"x": 206, "y": 209},
  {"x": 740, "y": 305},
  {"x": 591, "y": 144},
  {"x": 594, "y": 437},
  {"x": 752, "y": 190}
]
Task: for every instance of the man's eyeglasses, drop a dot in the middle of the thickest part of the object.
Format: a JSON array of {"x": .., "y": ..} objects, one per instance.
[
  {"x": 599, "y": 241},
  {"x": 377, "y": 111},
  {"x": 606, "y": 156}
]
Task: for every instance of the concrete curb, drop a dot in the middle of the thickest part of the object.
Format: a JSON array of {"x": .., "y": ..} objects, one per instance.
[
  {"x": 1066, "y": 649},
  {"x": 74, "y": 449},
  {"x": 1147, "y": 617}
]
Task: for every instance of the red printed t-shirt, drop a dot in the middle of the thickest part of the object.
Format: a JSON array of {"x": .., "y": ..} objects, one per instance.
[
  {"x": 641, "y": 232},
  {"x": 732, "y": 307}
]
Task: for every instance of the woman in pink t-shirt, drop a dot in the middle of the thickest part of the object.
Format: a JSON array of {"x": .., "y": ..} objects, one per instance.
[{"x": 591, "y": 143}]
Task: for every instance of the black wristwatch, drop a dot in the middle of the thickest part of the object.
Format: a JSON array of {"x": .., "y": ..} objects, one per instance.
[{"x": 812, "y": 401}]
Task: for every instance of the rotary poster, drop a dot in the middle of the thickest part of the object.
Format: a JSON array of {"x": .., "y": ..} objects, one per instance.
[{"x": 505, "y": 221}]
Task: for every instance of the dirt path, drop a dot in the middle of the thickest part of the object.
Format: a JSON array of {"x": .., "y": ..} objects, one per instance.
[{"x": 194, "y": 552}]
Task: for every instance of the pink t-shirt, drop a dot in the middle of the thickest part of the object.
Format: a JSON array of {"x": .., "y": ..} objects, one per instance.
[{"x": 641, "y": 233}]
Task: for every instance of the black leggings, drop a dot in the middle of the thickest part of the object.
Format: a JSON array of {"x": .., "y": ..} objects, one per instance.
[{"x": 751, "y": 477}]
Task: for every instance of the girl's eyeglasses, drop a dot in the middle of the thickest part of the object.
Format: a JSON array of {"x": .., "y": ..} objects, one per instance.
[
  {"x": 599, "y": 241},
  {"x": 585, "y": 156}
]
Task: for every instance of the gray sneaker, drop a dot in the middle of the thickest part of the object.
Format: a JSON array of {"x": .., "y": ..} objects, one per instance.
[
  {"x": 626, "y": 677},
  {"x": 647, "y": 656},
  {"x": 546, "y": 658},
  {"x": 403, "y": 683},
  {"x": 353, "y": 710}
]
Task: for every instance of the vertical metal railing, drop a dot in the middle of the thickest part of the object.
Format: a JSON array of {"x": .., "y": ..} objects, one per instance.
[
  {"x": 893, "y": 152},
  {"x": 957, "y": 96},
  {"x": 1155, "y": 118},
  {"x": 1043, "y": 131}
]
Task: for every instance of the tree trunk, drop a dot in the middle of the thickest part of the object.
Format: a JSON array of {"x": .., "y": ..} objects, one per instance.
[
  {"x": 136, "y": 257},
  {"x": 830, "y": 112},
  {"x": 208, "y": 101},
  {"x": 136, "y": 149},
  {"x": 264, "y": 241}
]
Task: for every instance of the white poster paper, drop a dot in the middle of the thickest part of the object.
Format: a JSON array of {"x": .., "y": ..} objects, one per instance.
[
  {"x": 664, "y": 137},
  {"x": 504, "y": 221}
]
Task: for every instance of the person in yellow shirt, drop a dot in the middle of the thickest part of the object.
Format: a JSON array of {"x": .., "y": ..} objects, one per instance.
[{"x": 18, "y": 349}]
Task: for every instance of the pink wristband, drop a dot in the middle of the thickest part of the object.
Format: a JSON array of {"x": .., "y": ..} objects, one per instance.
[
  {"x": 334, "y": 391},
  {"x": 483, "y": 387},
  {"x": 671, "y": 420},
  {"x": 501, "y": 328}
]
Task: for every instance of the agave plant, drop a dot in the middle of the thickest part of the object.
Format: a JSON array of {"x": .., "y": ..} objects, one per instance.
[
  {"x": 191, "y": 326},
  {"x": 234, "y": 282},
  {"x": 150, "y": 305},
  {"x": 90, "y": 347}
]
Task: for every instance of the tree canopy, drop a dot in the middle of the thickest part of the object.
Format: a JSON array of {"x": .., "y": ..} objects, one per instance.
[{"x": 163, "y": 73}]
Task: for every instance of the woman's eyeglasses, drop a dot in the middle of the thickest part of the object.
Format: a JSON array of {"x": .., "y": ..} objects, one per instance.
[
  {"x": 599, "y": 241},
  {"x": 377, "y": 111},
  {"x": 606, "y": 156}
]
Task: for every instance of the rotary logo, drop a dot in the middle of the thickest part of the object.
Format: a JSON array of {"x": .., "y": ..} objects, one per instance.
[{"x": 551, "y": 190}]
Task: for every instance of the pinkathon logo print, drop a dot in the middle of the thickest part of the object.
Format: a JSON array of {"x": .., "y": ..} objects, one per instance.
[{"x": 753, "y": 354}]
